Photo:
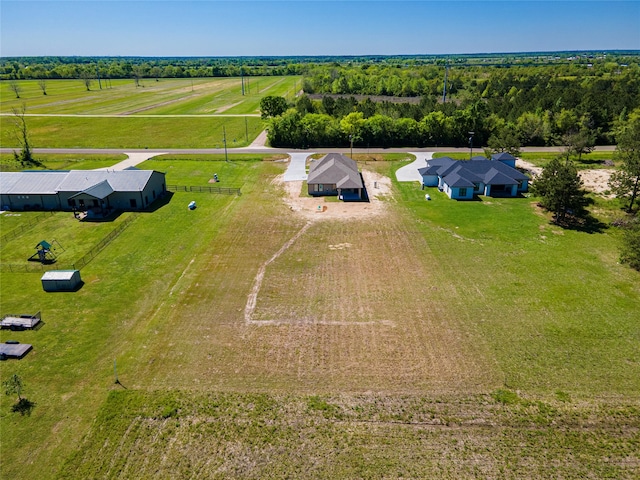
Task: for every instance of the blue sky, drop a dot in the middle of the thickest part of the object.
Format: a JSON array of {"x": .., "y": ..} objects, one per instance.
[{"x": 229, "y": 28}]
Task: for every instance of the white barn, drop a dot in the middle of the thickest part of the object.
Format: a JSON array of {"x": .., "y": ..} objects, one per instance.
[{"x": 61, "y": 280}]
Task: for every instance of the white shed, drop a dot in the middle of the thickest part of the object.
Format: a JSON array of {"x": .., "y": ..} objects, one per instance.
[{"x": 61, "y": 280}]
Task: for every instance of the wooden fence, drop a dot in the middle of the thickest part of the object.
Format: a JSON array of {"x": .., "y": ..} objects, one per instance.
[
  {"x": 16, "y": 232},
  {"x": 201, "y": 189},
  {"x": 32, "y": 267}
]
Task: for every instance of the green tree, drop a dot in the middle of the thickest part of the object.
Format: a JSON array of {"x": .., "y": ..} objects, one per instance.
[
  {"x": 505, "y": 139},
  {"x": 630, "y": 249},
  {"x": 13, "y": 386},
  {"x": 272, "y": 106},
  {"x": 352, "y": 125},
  {"x": 625, "y": 183},
  {"x": 25, "y": 157},
  {"x": 304, "y": 105},
  {"x": 560, "y": 188},
  {"x": 579, "y": 142}
]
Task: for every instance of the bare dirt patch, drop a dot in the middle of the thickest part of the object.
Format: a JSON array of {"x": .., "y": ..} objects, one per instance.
[
  {"x": 378, "y": 188},
  {"x": 595, "y": 180}
]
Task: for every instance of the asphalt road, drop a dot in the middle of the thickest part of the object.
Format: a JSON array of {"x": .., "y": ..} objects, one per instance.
[{"x": 269, "y": 150}]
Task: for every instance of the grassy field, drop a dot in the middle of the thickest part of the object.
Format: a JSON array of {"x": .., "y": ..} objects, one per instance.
[
  {"x": 441, "y": 339},
  {"x": 76, "y": 161},
  {"x": 177, "y": 113}
]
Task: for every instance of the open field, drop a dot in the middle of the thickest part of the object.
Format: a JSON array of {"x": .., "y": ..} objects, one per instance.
[
  {"x": 76, "y": 161},
  {"x": 196, "y": 96},
  {"x": 185, "y": 434},
  {"x": 431, "y": 339},
  {"x": 164, "y": 114},
  {"x": 136, "y": 132}
]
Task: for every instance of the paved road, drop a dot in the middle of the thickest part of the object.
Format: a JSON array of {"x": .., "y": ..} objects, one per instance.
[
  {"x": 409, "y": 173},
  {"x": 257, "y": 149}
]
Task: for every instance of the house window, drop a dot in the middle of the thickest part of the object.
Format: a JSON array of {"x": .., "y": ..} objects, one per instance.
[
  {"x": 133, "y": 203},
  {"x": 462, "y": 192},
  {"x": 72, "y": 202}
]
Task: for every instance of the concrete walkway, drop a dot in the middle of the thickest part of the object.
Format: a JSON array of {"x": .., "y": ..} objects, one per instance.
[
  {"x": 409, "y": 173},
  {"x": 297, "y": 170},
  {"x": 260, "y": 141},
  {"x": 133, "y": 160}
]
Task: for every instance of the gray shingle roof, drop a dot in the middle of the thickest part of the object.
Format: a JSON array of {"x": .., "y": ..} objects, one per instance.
[
  {"x": 502, "y": 156},
  {"x": 489, "y": 172},
  {"x": 456, "y": 180},
  {"x": 335, "y": 169}
]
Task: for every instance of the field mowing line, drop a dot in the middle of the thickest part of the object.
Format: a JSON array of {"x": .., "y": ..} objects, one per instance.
[
  {"x": 257, "y": 282},
  {"x": 181, "y": 275}
]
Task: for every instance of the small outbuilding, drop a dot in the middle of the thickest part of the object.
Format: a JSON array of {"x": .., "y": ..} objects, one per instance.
[
  {"x": 14, "y": 350},
  {"x": 61, "y": 280}
]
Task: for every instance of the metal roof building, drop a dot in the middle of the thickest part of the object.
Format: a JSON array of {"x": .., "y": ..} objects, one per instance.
[
  {"x": 96, "y": 191},
  {"x": 61, "y": 280}
]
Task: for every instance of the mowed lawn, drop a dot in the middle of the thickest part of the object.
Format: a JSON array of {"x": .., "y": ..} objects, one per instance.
[
  {"x": 193, "y": 113},
  {"x": 392, "y": 347}
]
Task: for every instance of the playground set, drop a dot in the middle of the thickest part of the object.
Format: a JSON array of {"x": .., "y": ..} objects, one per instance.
[{"x": 46, "y": 252}]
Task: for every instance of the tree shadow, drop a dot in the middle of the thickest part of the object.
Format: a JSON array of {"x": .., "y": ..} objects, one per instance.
[
  {"x": 23, "y": 406},
  {"x": 586, "y": 224}
]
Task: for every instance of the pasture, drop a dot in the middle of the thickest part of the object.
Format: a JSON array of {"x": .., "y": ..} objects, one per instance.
[
  {"x": 442, "y": 338},
  {"x": 178, "y": 113}
]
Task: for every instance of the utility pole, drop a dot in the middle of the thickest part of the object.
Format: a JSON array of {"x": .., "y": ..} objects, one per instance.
[
  {"x": 471, "y": 145},
  {"x": 444, "y": 90},
  {"x": 242, "y": 79},
  {"x": 224, "y": 140}
]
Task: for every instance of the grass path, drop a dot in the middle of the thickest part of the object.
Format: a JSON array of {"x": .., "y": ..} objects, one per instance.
[{"x": 253, "y": 296}]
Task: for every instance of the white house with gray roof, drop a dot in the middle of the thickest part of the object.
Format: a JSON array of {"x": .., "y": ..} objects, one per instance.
[
  {"x": 463, "y": 179},
  {"x": 96, "y": 191},
  {"x": 335, "y": 174}
]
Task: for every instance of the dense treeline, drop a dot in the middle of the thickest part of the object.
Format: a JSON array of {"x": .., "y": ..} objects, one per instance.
[
  {"x": 505, "y": 99},
  {"x": 57, "y": 67},
  {"x": 576, "y": 103},
  {"x": 27, "y": 68}
]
